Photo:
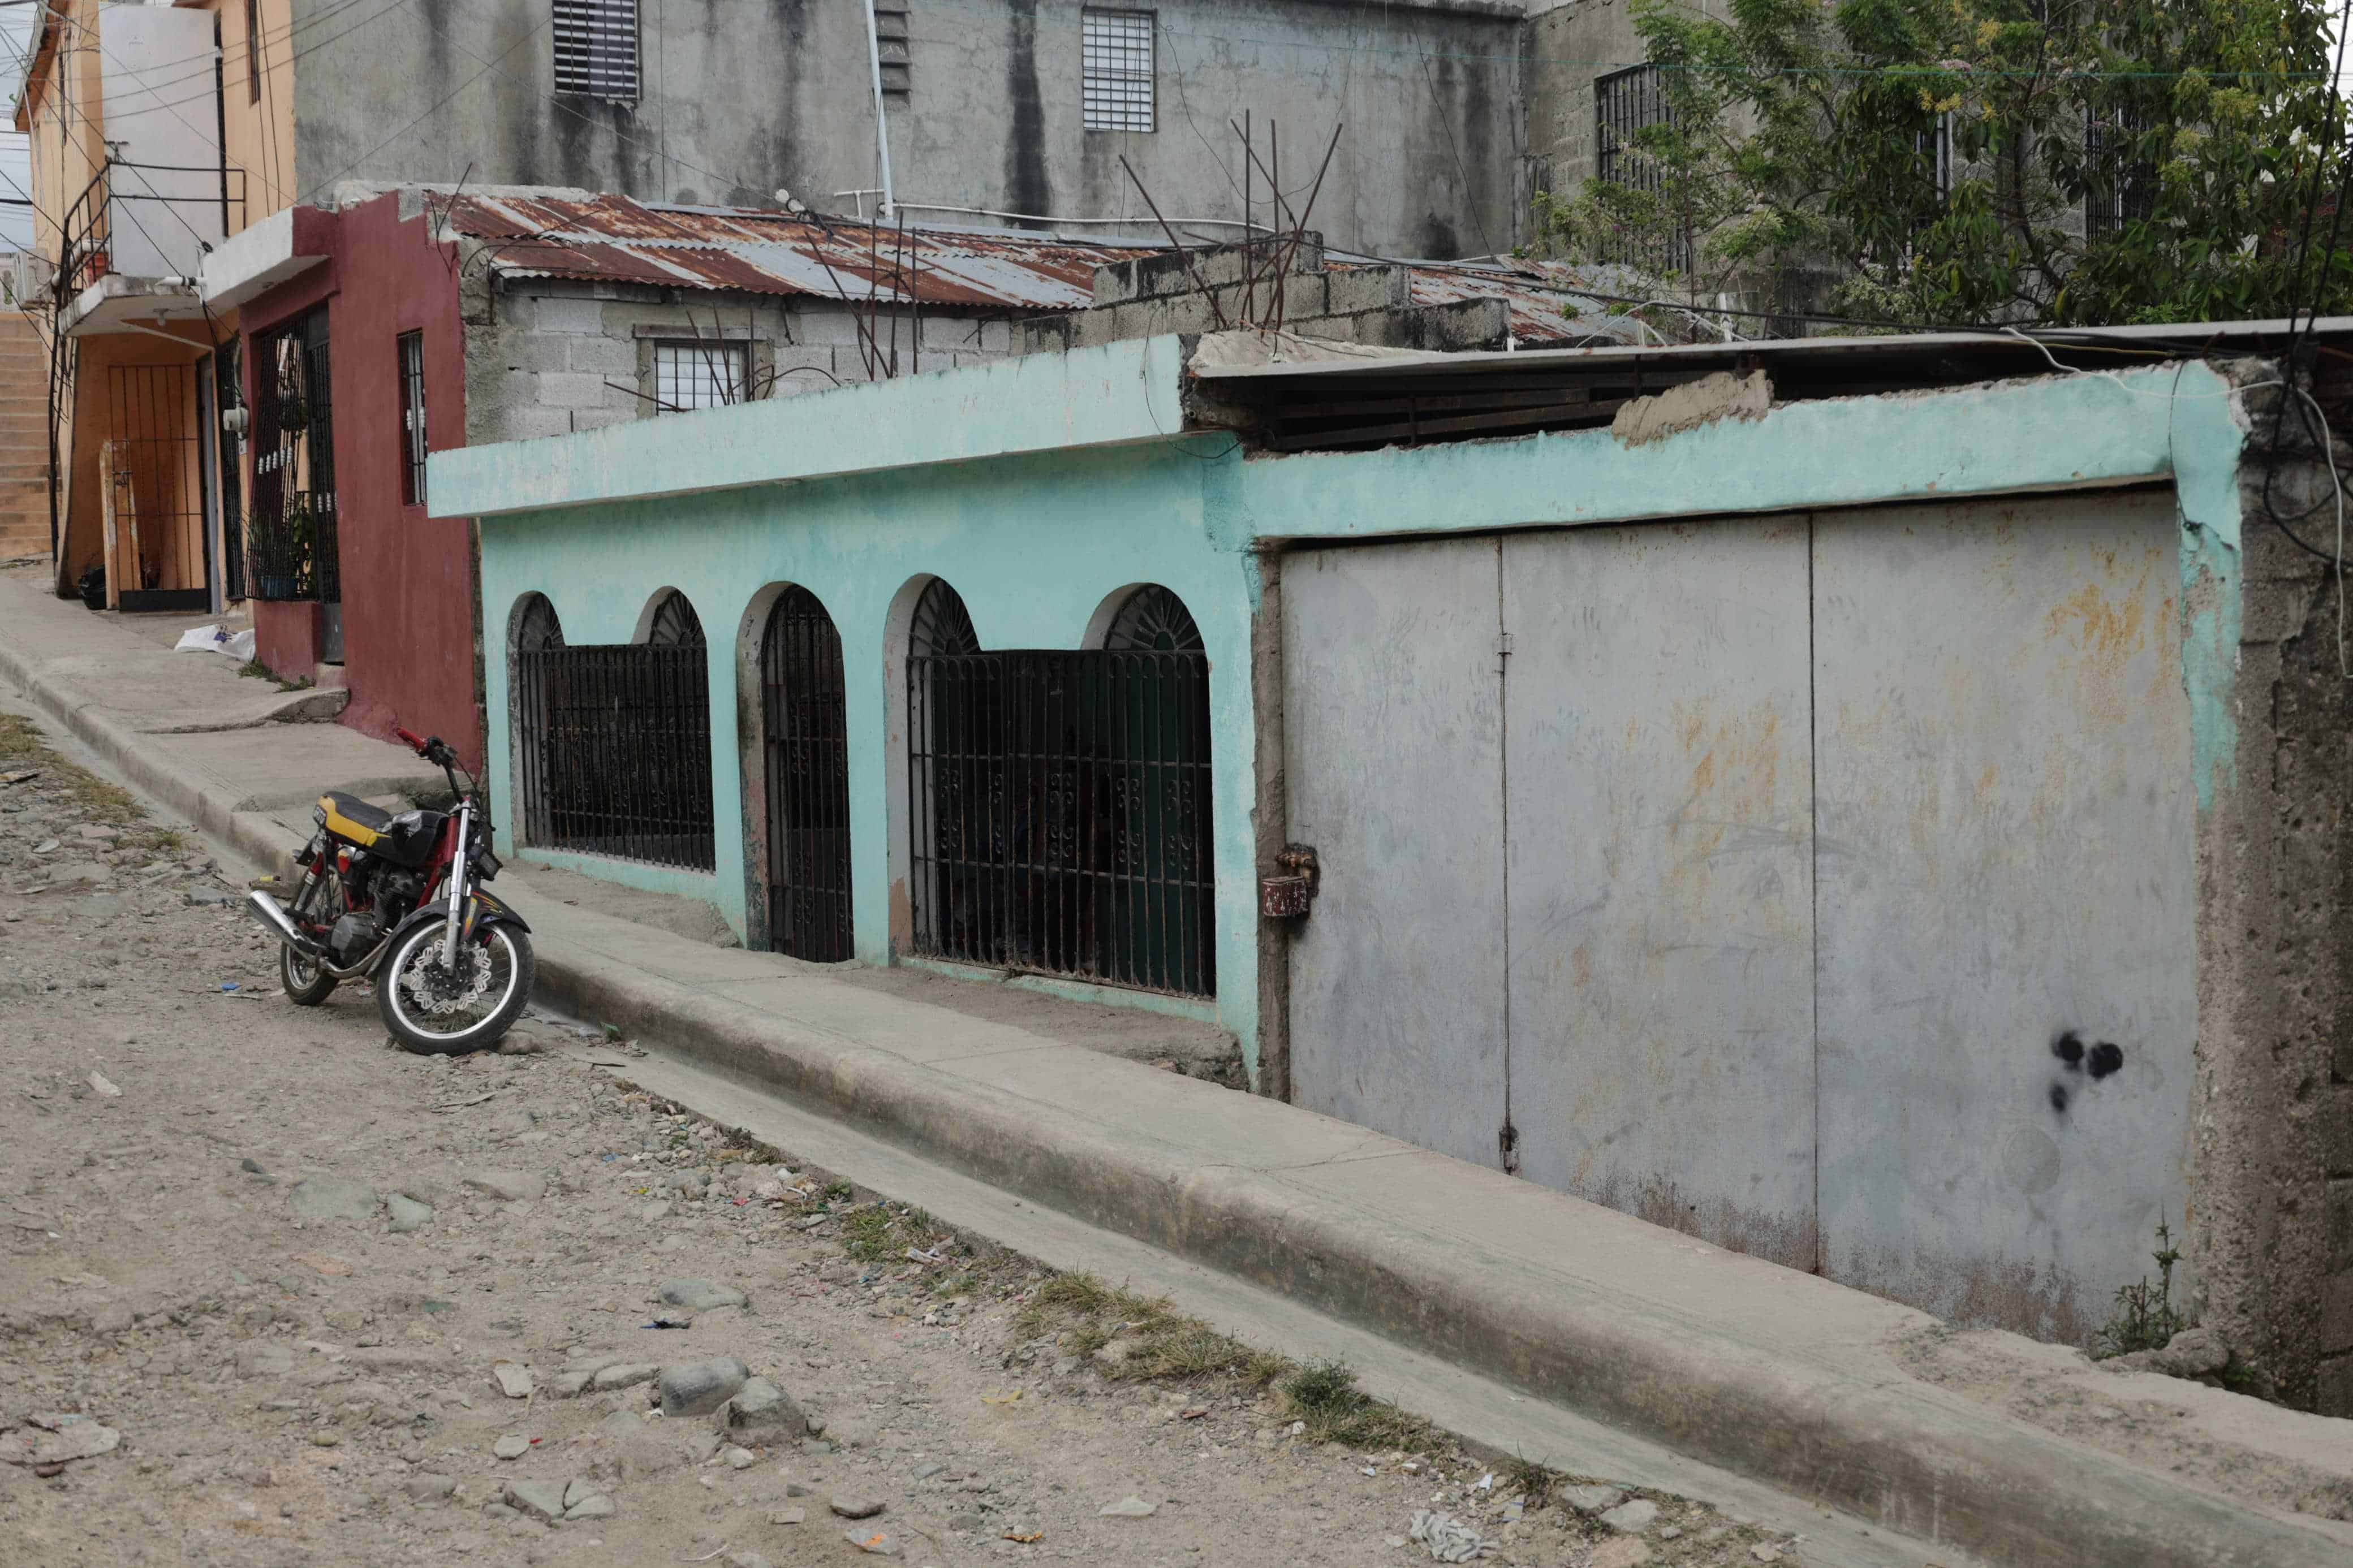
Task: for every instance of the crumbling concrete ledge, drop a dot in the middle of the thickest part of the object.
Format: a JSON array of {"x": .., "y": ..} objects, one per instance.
[{"x": 1764, "y": 1370}]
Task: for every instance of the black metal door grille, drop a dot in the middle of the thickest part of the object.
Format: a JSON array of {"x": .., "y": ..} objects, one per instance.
[
  {"x": 1059, "y": 808},
  {"x": 291, "y": 530},
  {"x": 804, "y": 706},
  {"x": 616, "y": 747}
]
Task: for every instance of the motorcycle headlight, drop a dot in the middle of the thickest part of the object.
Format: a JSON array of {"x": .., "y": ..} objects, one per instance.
[{"x": 486, "y": 864}]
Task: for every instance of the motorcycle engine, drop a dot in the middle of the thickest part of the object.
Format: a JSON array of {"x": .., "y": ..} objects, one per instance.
[
  {"x": 352, "y": 936},
  {"x": 397, "y": 894}
]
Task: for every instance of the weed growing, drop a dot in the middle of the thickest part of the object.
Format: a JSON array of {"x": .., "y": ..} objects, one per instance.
[
  {"x": 2145, "y": 1318},
  {"x": 86, "y": 795}
]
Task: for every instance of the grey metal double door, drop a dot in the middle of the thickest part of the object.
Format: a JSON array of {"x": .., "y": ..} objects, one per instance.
[
  {"x": 1541, "y": 722},
  {"x": 1741, "y": 875}
]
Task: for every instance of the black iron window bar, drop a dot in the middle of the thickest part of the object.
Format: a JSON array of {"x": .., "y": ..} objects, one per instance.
[
  {"x": 804, "y": 704},
  {"x": 1060, "y": 806},
  {"x": 1626, "y": 102},
  {"x": 615, "y": 743}
]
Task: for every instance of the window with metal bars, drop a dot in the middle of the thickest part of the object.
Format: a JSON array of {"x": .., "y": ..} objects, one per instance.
[
  {"x": 597, "y": 48},
  {"x": 291, "y": 541},
  {"x": 613, "y": 743},
  {"x": 412, "y": 419},
  {"x": 1059, "y": 801},
  {"x": 893, "y": 48},
  {"x": 2123, "y": 188},
  {"x": 706, "y": 375},
  {"x": 1116, "y": 70},
  {"x": 1625, "y": 102}
]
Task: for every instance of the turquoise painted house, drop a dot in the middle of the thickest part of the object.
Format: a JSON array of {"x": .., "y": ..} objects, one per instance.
[{"x": 1686, "y": 777}]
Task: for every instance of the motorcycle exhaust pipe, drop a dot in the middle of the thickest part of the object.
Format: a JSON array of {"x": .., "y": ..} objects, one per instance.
[{"x": 266, "y": 909}]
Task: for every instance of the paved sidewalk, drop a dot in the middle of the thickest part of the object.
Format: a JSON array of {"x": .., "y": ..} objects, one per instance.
[{"x": 1770, "y": 1374}]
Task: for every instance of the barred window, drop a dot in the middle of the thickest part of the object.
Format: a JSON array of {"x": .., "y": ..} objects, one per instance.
[
  {"x": 1624, "y": 103},
  {"x": 597, "y": 48},
  {"x": 1116, "y": 70},
  {"x": 412, "y": 417},
  {"x": 688, "y": 374}
]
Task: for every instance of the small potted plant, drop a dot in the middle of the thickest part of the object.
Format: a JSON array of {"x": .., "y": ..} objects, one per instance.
[{"x": 297, "y": 532}]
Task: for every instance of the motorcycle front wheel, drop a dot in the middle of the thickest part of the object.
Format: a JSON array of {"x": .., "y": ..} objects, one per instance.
[{"x": 432, "y": 1007}]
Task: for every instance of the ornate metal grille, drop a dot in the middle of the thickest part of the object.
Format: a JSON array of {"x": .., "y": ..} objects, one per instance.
[
  {"x": 803, "y": 702},
  {"x": 291, "y": 535},
  {"x": 1059, "y": 801},
  {"x": 614, "y": 740},
  {"x": 1625, "y": 102},
  {"x": 2123, "y": 188}
]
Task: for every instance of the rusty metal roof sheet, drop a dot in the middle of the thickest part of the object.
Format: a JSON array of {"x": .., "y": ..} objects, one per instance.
[
  {"x": 1547, "y": 310},
  {"x": 613, "y": 239}
]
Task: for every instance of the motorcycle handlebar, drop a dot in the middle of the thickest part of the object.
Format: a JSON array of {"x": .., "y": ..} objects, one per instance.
[{"x": 416, "y": 743}]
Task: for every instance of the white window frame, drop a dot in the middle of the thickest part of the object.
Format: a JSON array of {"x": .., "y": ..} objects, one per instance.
[
  {"x": 706, "y": 373},
  {"x": 596, "y": 52},
  {"x": 1118, "y": 67}
]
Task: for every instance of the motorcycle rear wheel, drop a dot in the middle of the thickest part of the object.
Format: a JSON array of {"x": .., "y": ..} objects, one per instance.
[
  {"x": 306, "y": 980},
  {"x": 432, "y": 1012}
]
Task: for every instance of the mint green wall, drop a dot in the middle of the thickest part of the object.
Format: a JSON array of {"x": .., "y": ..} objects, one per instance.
[
  {"x": 1035, "y": 545},
  {"x": 1040, "y": 485}
]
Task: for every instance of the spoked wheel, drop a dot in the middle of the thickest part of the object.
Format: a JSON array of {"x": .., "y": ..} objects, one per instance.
[
  {"x": 306, "y": 980},
  {"x": 432, "y": 1007}
]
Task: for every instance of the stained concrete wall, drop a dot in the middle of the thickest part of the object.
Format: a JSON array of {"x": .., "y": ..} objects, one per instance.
[{"x": 739, "y": 101}]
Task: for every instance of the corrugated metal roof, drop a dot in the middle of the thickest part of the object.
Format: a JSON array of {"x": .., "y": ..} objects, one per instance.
[{"x": 613, "y": 239}]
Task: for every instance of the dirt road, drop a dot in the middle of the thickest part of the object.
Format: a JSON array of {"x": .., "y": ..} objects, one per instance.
[{"x": 304, "y": 1299}]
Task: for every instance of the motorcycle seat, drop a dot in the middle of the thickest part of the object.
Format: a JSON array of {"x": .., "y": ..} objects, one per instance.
[{"x": 350, "y": 818}]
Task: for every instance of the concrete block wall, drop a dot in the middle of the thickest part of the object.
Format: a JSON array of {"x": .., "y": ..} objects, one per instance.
[
  {"x": 550, "y": 356},
  {"x": 1358, "y": 304}
]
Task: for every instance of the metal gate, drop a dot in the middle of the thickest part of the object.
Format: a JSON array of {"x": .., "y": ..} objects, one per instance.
[
  {"x": 1060, "y": 800},
  {"x": 150, "y": 496},
  {"x": 291, "y": 530},
  {"x": 1735, "y": 874},
  {"x": 614, "y": 740},
  {"x": 804, "y": 704}
]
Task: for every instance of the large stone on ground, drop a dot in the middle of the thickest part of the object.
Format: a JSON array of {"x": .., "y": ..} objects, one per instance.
[
  {"x": 541, "y": 1500},
  {"x": 761, "y": 1406},
  {"x": 324, "y": 1197},
  {"x": 700, "y": 1387},
  {"x": 702, "y": 1295},
  {"x": 407, "y": 1214},
  {"x": 627, "y": 1374}
]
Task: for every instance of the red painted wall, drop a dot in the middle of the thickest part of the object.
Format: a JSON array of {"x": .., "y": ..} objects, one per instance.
[{"x": 408, "y": 579}]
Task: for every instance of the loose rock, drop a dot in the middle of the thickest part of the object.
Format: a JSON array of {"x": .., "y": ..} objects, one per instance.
[
  {"x": 1129, "y": 1507},
  {"x": 627, "y": 1374},
  {"x": 855, "y": 1506},
  {"x": 507, "y": 1186},
  {"x": 429, "y": 1487},
  {"x": 698, "y": 1388},
  {"x": 513, "y": 1377},
  {"x": 1633, "y": 1518},
  {"x": 542, "y": 1499},
  {"x": 761, "y": 1406},
  {"x": 407, "y": 1214},
  {"x": 322, "y": 1197},
  {"x": 513, "y": 1446},
  {"x": 702, "y": 1295}
]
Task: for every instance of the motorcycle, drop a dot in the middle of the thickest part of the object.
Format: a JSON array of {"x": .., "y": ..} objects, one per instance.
[{"x": 399, "y": 899}]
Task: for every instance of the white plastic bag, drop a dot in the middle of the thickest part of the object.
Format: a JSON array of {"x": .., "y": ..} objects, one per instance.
[
  {"x": 202, "y": 639},
  {"x": 240, "y": 646}
]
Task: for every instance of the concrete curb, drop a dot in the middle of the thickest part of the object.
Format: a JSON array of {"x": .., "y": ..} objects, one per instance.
[
  {"x": 1855, "y": 1434},
  {"x": 1867, "y": 1440}
]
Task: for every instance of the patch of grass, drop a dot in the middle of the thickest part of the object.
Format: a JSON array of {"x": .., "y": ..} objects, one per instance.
[
  {"x": 1325, "y": 1397},
  {"x": 1529, "y": 1479},
  {"x": 1162, "y": 1343},
  {"x": 836, "y": 1192},
  {"x": 255, "y": 670},
  {"x": 2145, "y": 1318},
  {"x": 83, "y": 793},
  {"x": 867, "y": 1235}
]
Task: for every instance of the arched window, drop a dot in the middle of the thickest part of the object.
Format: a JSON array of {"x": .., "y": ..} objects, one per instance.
[
  {"x": 804, "y": 709},
  {"x": 1059, "y": 801},
  {"x": 614, "y": 740}
]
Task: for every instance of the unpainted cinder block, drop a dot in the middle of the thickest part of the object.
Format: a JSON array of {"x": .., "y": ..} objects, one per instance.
[{"x": 557, "y": 314}]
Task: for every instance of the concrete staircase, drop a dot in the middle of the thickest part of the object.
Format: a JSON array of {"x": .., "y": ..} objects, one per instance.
[{"x": 24, "y": 438}]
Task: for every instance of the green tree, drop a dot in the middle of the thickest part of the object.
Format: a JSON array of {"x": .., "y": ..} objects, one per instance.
[{"x": 1985, "y": 161}]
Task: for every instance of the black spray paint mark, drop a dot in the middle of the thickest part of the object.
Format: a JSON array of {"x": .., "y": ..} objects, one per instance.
[
  {"x": 2069, "y": 1048},
  {"x": 2059, "y": 1098},
  {"x": 2104, "y": 1059}
]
